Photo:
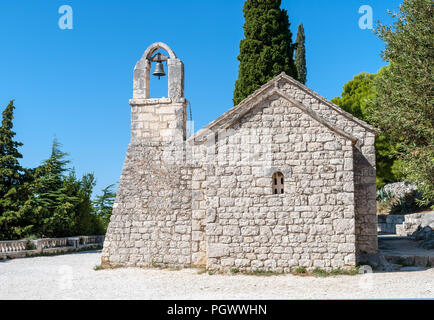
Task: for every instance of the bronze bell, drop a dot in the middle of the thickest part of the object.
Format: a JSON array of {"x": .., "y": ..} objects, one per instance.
[{"x": 159, "y": 70}]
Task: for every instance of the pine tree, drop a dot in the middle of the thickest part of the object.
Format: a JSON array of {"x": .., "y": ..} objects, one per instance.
[
  {"x": 104, "y": 204},
  {"x": 52, "y": 202},
  {"x": 267, "y": 49},
  {"x": 300, "y": 55},
  {"x": 12, "y": 179}
]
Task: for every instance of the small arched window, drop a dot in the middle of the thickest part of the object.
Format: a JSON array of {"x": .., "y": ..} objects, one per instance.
[{"x": 278, "y": 183}]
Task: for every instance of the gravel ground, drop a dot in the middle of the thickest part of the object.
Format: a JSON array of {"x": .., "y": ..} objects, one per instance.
[{"x": 73, "y": 277}]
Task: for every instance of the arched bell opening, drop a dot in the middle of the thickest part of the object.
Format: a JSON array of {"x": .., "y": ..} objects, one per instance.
[
  {"x": 159, "y": 75},
  {"x": 173, "y": 68}
]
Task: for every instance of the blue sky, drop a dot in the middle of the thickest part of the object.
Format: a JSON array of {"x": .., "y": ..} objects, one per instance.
[{"x": 75, "y": 84}]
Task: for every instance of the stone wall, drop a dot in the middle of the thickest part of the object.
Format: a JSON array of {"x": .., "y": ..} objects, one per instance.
[
  {"x": 158, "y": 120},
  {"x": 364, "y": 162},
  {"x": 151, "y": 221},
  {"x": 311, "y": 225},
  {"x": 389, "y": 223},
  {"x": 412, "y": 222},
  {"x": 151, "y": 224}
]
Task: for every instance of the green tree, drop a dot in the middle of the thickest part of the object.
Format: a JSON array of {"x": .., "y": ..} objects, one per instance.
[
  {"x": 52, "y": 202},
  {"x": 12, "y": 180},
  {"x": 60, "y": 204},
  {"x": 300, "y": 55},
  {"x": 403, "y": 108},
  {"x": 267, "y": 48},
  {"x": 85, "y": 221},
  {"x": 356, "y": 96},
  {"x": 104, "y": 204}
]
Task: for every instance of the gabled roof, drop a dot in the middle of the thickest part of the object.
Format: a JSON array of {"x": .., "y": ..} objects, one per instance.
[{"x": 271, "y": 88}]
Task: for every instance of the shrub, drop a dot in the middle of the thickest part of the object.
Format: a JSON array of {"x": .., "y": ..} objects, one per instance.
[
  {"x": 408, "y": 204},
  {"x": 383, "y": 195},
  {"x": 30, "y": 245}
]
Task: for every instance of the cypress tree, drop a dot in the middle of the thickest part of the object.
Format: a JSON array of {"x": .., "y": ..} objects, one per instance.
[
  {"x": 12, "y": 178},
  {"x": 300, "y": 55},
  {"x": 267, "y": 48}
]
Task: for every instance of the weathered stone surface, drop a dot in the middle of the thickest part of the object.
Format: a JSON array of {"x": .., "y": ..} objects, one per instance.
[
  {"x": 400, "y": 189},
  {"x": 376, "y": 261},
  {"x": 427, "y": 220},
  {"x": 217, "y": 250}
]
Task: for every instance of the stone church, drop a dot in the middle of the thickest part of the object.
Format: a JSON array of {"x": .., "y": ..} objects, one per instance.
[{"x": 285, "y": 179}]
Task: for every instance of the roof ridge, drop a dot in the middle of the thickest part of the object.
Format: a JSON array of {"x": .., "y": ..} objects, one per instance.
[
  {"x": 316, "y": 116},
  {"x": 330, "y": 104},
  {"x": 234, "y": 110},
  {"x": 282, "y": 94}
]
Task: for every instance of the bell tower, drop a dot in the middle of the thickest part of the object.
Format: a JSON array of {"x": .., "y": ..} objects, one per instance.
[
  {"x": 151, "y": 218},
  {"x": 161, "y": 120}
]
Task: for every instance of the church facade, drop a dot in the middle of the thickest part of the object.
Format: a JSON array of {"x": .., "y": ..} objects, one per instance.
[{"x": 285, "y": 179}]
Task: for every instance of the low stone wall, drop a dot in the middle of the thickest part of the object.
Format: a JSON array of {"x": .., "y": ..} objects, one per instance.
[
  {"x": 413, "y": 222},
  {"x": 404, "y": 225},
  {"x": 23, "y": 248},
  {"x": 52, "y": 243},
  {"x": 388, "y": 223},
  {"x": 13, "y": 246}
]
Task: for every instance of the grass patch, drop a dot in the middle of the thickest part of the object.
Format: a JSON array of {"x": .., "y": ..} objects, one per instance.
[
  {"x": 108, "y": 267},
  {"x": 98, "y": 267},
  {"x": 301, "y": 270},
  {"x": 235, "y": 271},
  {"x": 262, "y": 273},
  {"x": 323, "y": 273},
  {"x": 211, "y": 273},
  {"x": 340, "y": 272},
  {"x": 320, "y": 273},
  {"x": 201, "y": 271},
  {"x": 174, "y": 269}
]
